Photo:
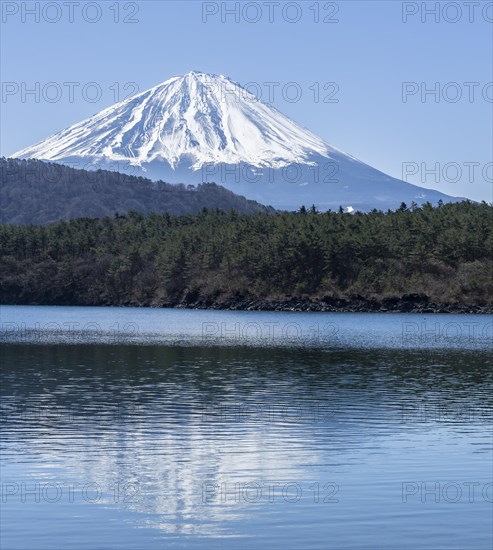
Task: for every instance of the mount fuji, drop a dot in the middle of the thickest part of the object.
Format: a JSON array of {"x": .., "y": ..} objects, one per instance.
[{"x": 206, "y": 128}]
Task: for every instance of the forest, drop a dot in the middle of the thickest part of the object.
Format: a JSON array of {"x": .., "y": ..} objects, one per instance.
[
  {"x": 37, "y": 192},
  {"x": 439, "y": 255}
]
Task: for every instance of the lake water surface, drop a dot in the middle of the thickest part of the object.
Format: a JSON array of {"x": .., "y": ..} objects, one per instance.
[{"x": 153, "y": 429}]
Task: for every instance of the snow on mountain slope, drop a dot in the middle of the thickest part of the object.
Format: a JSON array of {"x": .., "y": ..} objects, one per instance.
[
  {"x": 206, "y": 128},
  {"x": 201, "y": 117}
]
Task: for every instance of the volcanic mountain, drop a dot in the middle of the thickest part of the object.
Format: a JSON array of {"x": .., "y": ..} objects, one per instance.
[{"x": 206, "y": 128}]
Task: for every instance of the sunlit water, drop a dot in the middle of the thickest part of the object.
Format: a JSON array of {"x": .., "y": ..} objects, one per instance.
[{"x": 139, "y": 428}]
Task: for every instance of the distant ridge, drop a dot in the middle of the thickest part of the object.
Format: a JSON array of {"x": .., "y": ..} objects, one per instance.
[{"x": 35, "y": 192}]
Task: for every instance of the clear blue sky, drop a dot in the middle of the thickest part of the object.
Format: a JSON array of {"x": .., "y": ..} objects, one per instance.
[{"x": 369, "y": 53}]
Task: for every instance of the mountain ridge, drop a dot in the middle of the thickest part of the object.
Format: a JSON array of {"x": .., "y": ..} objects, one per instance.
[{"x": 36, "y": 192}]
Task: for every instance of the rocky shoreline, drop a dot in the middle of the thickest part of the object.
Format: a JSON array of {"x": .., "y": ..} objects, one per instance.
[{"x": 409, "y": 303}]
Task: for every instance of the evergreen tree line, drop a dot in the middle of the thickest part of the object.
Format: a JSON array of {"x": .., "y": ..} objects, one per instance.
[{"x": 445, "y": 252}]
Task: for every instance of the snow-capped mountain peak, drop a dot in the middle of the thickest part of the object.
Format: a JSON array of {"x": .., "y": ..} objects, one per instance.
[
  {"x": 198, "y": 117},
  {"x": 206, "y": 128}
]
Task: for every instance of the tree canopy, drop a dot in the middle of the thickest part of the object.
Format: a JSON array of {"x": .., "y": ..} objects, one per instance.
[{"x": 445, "y": 252}]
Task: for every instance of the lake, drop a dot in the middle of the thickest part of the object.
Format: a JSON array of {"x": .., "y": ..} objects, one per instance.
[{"x": 153, "y": 428}]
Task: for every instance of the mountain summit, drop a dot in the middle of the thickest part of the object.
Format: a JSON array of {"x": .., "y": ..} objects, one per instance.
[
  {"x": 200, "y": 117},
  {"x": 203, "y": 127}
]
